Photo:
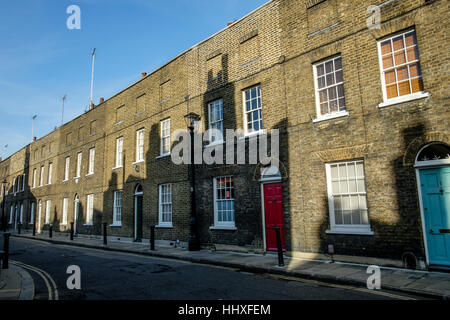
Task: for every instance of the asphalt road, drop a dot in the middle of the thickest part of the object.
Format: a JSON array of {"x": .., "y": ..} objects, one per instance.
[{"x": 120, "y": 276}]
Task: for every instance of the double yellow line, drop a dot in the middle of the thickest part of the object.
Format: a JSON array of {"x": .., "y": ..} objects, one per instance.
[{"x": 48, "y": 280}]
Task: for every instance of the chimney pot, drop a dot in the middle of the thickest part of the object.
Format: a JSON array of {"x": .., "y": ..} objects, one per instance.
[
  {"x": 102, "y": 100},
  {"x": 144, "y": 74},
  {"x": 230, "y": 23}
]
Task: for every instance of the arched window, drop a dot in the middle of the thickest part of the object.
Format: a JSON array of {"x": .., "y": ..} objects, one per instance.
[
  {"x": 433, "y": 154},
  {"x": 139, "y": 190}
]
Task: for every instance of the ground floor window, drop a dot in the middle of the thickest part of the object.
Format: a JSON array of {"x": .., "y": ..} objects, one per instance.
[
  {"x": 224, "y": 202},
  {"x": 90, "y": 209},
  {"x": 165, "y": 205},
  {"x": 347, "y": 197},
  {"x": 48, "y": 207},
  {"x": 11, "y": 213},
  {"x": 64, "y": 212},
  {"x": 117, "y": 211}
]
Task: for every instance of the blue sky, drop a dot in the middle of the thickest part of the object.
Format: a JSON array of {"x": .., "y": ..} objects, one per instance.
[{"x": 41, "y": 59}]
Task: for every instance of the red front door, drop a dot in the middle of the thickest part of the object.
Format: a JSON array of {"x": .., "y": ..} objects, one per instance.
[{"x": 273, "y": 209}]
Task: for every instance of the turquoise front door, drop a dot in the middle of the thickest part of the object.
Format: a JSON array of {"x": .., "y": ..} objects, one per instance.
[{"x": 435, "y": 184}]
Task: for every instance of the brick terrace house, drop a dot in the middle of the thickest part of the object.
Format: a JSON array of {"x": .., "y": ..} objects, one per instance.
[{"x": 363, "y": 115}]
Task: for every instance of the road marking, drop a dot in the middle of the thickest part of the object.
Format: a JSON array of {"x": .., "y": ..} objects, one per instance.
[
  {"x": 341, "y": 286},
  {"x": 49, "y": 282}
]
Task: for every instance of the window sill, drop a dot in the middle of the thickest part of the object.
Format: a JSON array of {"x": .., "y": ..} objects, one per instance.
[
  {"x": 115, "y": 225},
  {"x": 118, "y": 123},
  {"x": 138, "y": 162},
  {"x": 117, "y": 168},
  {"x": 398, "y": 100},
  {"x": 164, "y": 226},
  {"x": 89, "y": 174},
  {"x": 364, "y": 232},
  {"x": 76, "y": 178},
  {"x": 253, "y": 134},
  {"x": 163, "y": 156},
  {"x": 67, "y": 180},
  {"x": 335, "y": 115},
  {"x": 226, "y": 228}
]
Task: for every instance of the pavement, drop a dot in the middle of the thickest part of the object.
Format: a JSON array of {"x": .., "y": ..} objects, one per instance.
[
  {"x": 16, "y": 284},
  {"x": 425, "y": 283}
]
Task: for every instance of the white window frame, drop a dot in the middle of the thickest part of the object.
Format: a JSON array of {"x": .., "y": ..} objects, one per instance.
[
  {"x": 91, "y": 161},
  {"x": 213, "y": 124},
  {"x": 67, "y": 169},
  {"x": 48, "y": 207},
  {"x": 23, "y": 182},
  {"x": 399, "y": 99},
  {"x": 41, "y": 178},
  {"x": 227, "y": 225},
  {"x": 50, "y": 173},
  {"x": 119, "y": 153},
  {"x": 165, "y": 136},
  {"x": 14, "y": 186},
  {"x": 260, "y": 108},
  {"x": 140, "y": 142},
  {"x": 90, "y": 210},
  {"x": 331, "y": 115},
  {"x": 117, "y": 208},
  {"x": 166, "y": 224},
  {"x": 21, "y": 213},
  {"x": 65, "y": 208},
  {"x": 34, "y": 177},
  {"x": 78, "y": 168},
  {"x": 32, "y": 212},
  {"x": 11, "y": 214},
  {"x": 362, "y": 229}
]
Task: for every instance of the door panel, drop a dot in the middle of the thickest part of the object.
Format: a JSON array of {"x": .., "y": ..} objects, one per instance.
[
  {"x": 435, "y": 184},
  {"x": 273, "y": 209}
]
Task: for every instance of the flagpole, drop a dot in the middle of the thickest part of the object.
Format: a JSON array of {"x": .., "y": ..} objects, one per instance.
[
  {"x": 32, "y": 127},
  {"x": 62, "y": 116},
  {"x": 92, "y": 77}
]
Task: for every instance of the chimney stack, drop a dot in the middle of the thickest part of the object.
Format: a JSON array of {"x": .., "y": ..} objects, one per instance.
[
  {"x": 34, "y": 139},
  {"x": 144, "y": 74},
  {"x": 102, "y": 100},
  {"x": 92, "y": 106},
  {"x": 230, "y": 23}
]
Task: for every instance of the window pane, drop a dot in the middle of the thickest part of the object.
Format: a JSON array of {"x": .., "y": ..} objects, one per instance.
[
  {"x": 387, "y": 61},
  {"x": 321, "y": 82},
  {"x": 403, "y": 88},
  {"x": 402, "y": 73},
  {"x": 334, "y": 172},
  {"x": 400, "y": 57},
  {"x": 410, "y": 39},
  {"x": 329, "y": 66},
  {"x": 339, "y": 77},
  {"x": 320, "y": 70},
  {"x": 386, "y": 47},
  {"x": 412, "y": 53},
  {"x": 414, "y": 70},
  {"x": 417, "y": 85},
  {"x": 332, "y": 93},
  {"x": 330, "y": 79},
  {"x": 390, "y": 77},
  {"x": 391, "y": 91},
  {"x": 398, "y": 43},
  {"x": 338, "y": 63}
]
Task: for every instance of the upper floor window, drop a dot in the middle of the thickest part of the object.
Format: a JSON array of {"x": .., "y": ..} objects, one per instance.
[
  {"x": 119, "y": 152},
  {"x": 347, "y": 197},
  {"x": 79, "y": 158},
  {"x": 41, "y": 181},
  {"x": 23, "y": 182},
  {"x": 165, "y": 137},
  {"x": 34, "y": 177},
  {"x": 215, "y": 110},
  {"x": 253, "y": 110},
  {"x": 329, "y": 84},
  {"x": 66, "y": 169},
  {"x": 400, "y": 67},
  {"x": 140, "y": 134},
  {"x": 50, "y": 173},
  {"x": 91, "y": 161}
]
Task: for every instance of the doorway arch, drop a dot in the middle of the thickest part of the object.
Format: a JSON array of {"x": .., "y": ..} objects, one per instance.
[
  {"x": 432, "y": 166},
  {"x": 138, "y": 212}
]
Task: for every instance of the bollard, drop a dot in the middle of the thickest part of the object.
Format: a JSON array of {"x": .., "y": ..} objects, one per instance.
[
  {"x": 50, "y": 232},
  {"x": 20, "y": 227},
  {"x": 279, "y": 246},
  {"x": 71, "y": 231},
  {"x": 152, "y": 238},
  {"x": 34, "y": 229},
  {"x": 5, "y": 250},
  {"x": 105, "y": 236}
]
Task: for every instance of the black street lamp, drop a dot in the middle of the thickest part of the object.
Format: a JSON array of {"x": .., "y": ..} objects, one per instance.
[
  {"x": 194, "y": 242},
  {"x": 4, "y": 183}
]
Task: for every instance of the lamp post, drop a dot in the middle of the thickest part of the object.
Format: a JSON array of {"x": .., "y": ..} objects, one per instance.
[
  {"x": 194, "y": 242},
  {"x": 4, "y": 183}
]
